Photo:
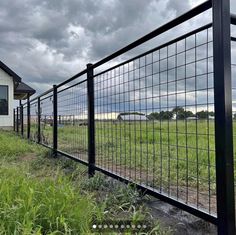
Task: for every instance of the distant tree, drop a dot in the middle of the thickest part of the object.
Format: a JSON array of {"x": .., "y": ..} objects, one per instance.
[
  {"x": 204, "y": 114},
  {"x": 178, "y": 109},
  {"x": 154, "y": 116},
  {"x": 165, "y": 115},
  {"x": 189, "y": 114},
  {"x": 181, "y": 113}
]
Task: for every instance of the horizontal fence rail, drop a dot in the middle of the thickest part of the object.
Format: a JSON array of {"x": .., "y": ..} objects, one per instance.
[{"x": 153, "y": 120}]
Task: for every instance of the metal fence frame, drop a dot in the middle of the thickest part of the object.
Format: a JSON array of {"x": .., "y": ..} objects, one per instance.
[{"x": 222, "y": 20}]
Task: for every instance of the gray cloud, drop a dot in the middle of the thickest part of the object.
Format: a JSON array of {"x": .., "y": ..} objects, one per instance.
[{"x": 46, "y": 42}]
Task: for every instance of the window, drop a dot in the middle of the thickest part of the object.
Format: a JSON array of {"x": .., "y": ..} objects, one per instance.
[{"x": 3, "y": 100}]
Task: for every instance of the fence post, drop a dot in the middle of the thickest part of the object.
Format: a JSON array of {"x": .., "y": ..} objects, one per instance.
[
  {"x": 39, "y": 121},
  {"x": 55, "y": 138},
  {"x": 14, "y": 119},
  {"x": 17, "y": 120},
  {"x": 22, "y": 120},
  {"x": 91, "y": 121},
  {"x": 223, "y": 117},
  {"x": 28, "y": 117}
]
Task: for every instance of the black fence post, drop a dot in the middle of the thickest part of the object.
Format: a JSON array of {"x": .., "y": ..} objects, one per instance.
[
  {"x": 14, "y": 119},
  {"x": 39, "y": 121},
  {"x": 91, "y": 121},
  {"x": 22, "y": 120},
  {"x": 55, "y": 121},
  {"x": 17, "y": 119},
  {"x": 223, "y": 117},
  {"x": 28, "y": 117}
]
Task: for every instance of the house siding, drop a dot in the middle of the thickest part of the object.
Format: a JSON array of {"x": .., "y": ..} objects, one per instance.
[{"x": 5, "y": 79}]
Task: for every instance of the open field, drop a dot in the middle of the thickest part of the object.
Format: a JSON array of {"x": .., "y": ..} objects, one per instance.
[
  {"x": 43, "y": 195},
  {"x": 174, "y": 157}
]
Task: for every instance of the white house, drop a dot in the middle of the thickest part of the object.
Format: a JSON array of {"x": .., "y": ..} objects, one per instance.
[{"x": 11, "y": 87}]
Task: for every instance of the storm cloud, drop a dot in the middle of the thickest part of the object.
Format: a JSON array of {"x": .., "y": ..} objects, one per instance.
[{"x": 46, "y": 42}]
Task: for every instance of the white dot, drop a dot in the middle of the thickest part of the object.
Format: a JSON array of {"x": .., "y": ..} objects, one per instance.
[
  {"x": 111, "y": 226},
  {"x": 116, "y": 226},
  {"x": 133, "y": 226},
  {"x": 100, "y": 226},
  {"x": 122, "y": 226},
  {"x": 105, "y": 226},
  {"x": 127, "y": 226},
  {"x": 144, "y": 226},
  {"x": 94, "y": 226},
  {"x": 138, "y": 226}
]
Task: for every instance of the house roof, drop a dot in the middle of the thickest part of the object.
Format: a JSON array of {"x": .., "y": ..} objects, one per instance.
[
  {"x": 132, "y": 117},
  {"x": 21, "y": 90},
  {"x": 11, "y": 73}
]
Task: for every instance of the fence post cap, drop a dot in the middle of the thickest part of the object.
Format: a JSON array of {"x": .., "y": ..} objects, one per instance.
[{"x": 89, "y": 65}]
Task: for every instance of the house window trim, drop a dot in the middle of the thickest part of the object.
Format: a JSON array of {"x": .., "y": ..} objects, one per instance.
[{"x": 7, "y": 101}]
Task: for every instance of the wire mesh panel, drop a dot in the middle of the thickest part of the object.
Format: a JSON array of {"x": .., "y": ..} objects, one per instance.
[
  {"x": 46, "y": 119},
  {"x": 15, "y": 119},
  {"x": 34, "y": 121},
  {"x": 154, "y": 117},
  {"x": 25, "y": 118},
  {"x": 72, "y": 121},
  {"x": 19, "y": 119},
  {"x": 155, "y": 120}
]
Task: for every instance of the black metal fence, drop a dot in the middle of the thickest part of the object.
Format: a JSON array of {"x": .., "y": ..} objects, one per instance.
[{"x": 161, "y": 120}]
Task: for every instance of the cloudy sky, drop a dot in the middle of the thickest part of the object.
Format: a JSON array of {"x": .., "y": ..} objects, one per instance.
[{"x": 46, "y": 42}]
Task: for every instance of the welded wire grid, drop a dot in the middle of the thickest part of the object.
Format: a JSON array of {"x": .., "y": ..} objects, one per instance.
[
  {"x": 25, "y": 120},
  {"x": 34, "y": 121},
  {"x": 46, "y": 119},
  {"x": 19, "y": 120},
  {"x": 72, "y": 120},
  {"x": 155, "y": 121},
  {"x": 16, "y": 118}
]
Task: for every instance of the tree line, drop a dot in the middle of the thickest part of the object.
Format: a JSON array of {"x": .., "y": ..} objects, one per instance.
[{"x": 179, "y": 113}]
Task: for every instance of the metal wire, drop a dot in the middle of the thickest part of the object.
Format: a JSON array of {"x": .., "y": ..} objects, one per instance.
[
  {"x": 46, "y": 121},
  {"x": 154, "y": 120},
  {"x": 137, "y": 136},
  {"x": 73, "y": 120},
  {"x": 34, "y": 121},
  {"x": 25, "y": 120}
]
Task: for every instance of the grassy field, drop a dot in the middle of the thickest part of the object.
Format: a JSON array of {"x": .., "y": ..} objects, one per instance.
[
  {"x": 144, "y": 146},
  {"x": 174, "y": 157},
  {"x": 170, "y": 156},
  {"x": 43, "y": 195}
]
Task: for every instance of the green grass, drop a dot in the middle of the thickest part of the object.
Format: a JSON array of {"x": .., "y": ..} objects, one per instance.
[
  {"x": 48, "y": 206},
  {"x": 43, "y": 195},
  {"x": 163, "y": 151},
  {"x": 176, "y": 156}
]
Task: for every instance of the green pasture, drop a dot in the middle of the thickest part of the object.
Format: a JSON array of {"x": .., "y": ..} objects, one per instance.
[{"x": 161, "y": 154}]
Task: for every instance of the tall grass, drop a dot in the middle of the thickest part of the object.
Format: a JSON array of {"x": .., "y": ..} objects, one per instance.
[
  {"x": 29, "y": 205},
  {"x": 36, "y": 197},
  {"x": 13, "y": 147},
  {"x": 43, "y": 195}
]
